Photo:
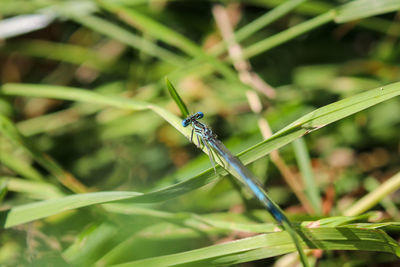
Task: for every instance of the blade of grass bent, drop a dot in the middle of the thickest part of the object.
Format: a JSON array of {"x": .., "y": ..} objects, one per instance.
[
  {"x": 74, "y": 94},
  {"x": 274, "y": 244},
  {"x": 42, "y": 209},
  {"x": 309, "y": 122},
  {"x": 304, "y": 125},
  {"x": 178, "y": 100}
]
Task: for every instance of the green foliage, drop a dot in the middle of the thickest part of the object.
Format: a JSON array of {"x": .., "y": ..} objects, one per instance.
[
  {"x": 93, "y": 174},
  {"x": 178, "y": 100}
]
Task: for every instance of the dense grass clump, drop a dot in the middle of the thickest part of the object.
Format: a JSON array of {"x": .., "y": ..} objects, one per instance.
[{"x": 97, "y": 170}]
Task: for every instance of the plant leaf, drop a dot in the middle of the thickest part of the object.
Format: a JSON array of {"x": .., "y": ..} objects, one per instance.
[
  {"x": 360, "y": 9},
  {"x": 274, "y": 244},
  {"x": 178, "y": 100},
  {"x": 37, "y": 210}
]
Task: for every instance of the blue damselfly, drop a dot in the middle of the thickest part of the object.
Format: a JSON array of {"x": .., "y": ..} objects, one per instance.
[{"x": 208, "y": 138}]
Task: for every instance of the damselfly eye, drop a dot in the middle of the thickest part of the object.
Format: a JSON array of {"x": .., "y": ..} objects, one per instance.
[
  {"x": 199, "y": 115},
  {"x": 185, "y": 123}
]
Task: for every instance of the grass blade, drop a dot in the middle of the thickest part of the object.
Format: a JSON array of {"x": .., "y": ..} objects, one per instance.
[
  {"x": 374, "y": 197},
  {"x": 284, "y": 36},
  {"x": 306, "y": 124},
  {"x": 43, "y": 209},
  {"x": 303, "y": 160},
  {"x": 178, "y": 100},
  {"x": 310, "y": 122},
  {"x": 274, "y": 244},
  {"x": 360, "y": 9}
]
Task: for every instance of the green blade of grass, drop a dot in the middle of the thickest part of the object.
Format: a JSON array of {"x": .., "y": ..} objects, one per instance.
[
  {"x": 320, "y": 118},
  {"x": 310, "y": 186},
  {"x": 267, "y": 19},
  {"x": 351, "y": 11},
  {"x": 284, "y": 36},
  {"x": 274, "y": 244},
  {"x": 69, "y": 93},
  {"x": 259, "y": 23},
  {"x": 374, "y": 197},
  {"x": 19, "y": 166},
  {"x": 360, "y": 9},
  {"x": 152, "y": 27},
  {"x": 90, "y": 241},
  {"x": 34, "y": 189},
  {"x": 317, "y": 7},
  {"x": 42, "y": 209},
  {"x": 3, "y": 188},
  {"x": 178, "y": 100},
  {"x": 171, "y": 37},
  {"x": 304, "y": 125}
]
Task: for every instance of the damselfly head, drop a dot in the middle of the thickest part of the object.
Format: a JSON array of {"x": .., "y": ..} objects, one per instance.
[
  {"x": 185, "y": 122},
  {"x": 191, "y": 118}
]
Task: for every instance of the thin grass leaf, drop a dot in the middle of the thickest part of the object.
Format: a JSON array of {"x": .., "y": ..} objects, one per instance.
[
  {"x": 178, "y": 100},
  {"x": 351, "y": 11},
  {"x": 310, "y": 122},
  {"x": 286, "y": 35},
  {"x": 258, "y": 24},
  {"x": 391, "y": 226},
  {"x": 192, "y": 220},
  {"x": 374, "y": 197},
  {"x": 313, "y": 8},
  {"x": 56, "y": 120},
  {"x": 19, "y": 166},
  {"x": 82, "y": 251},
  {"x": 171, "y": 37},
  {"x": 69, "y": 93},
  {"x": 43, "y": 209},
  {"x": 266, "y": 19},
  {"x": 320, "y": 118},
  {"x": 337, "y": 221},
  {"x": 360, "y": 9},
  {"x": 147, "y": 24},
  {"x": 34, "y": 189},
  {"x": 274, "y": 244},
  {"x": 388, "y": 203},
  {"x": 310, "y": 186},
  {"x": 3, "y": 188}
]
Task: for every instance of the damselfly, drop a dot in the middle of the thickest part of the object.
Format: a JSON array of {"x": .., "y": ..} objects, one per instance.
[{"x": 206, "y": 137}]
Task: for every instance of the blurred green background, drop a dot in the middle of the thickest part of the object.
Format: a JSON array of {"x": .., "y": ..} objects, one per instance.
[{"x": 300, "y": 55}]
